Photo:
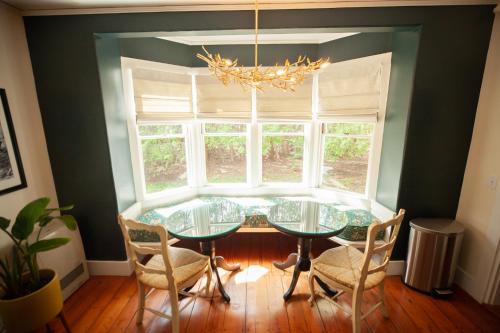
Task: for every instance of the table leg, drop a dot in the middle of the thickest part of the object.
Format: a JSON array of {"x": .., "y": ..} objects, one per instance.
[
  {"x": 221, "y": 262},
  {"x": 208, "y": 249},
  {"x": 303, "y": 264},
  {"x": 289, "y": 262},
  {"x": 330, "y": 292}
]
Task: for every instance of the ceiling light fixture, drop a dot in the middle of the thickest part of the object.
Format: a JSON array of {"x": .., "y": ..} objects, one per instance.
[{"x": 287, "y": 76}]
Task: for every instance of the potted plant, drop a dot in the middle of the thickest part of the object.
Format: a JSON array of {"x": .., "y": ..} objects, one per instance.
[{"x": 29, "y": 296}]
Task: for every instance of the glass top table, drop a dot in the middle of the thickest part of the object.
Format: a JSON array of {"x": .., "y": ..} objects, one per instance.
[
  {"x": 203, "y": 221},
  {"x": 306, "y": 219}
]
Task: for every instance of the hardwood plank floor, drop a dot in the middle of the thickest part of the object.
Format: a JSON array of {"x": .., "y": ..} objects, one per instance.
[{"x": 108, "y": 304}]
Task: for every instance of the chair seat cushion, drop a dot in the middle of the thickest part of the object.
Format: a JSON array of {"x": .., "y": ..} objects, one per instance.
[
  {"x": 186, "y": 264},
  {"x": 342, "y": 265}
]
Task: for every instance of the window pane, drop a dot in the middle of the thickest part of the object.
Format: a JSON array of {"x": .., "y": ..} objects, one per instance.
[
  {"x": 164, "y": 163},
  {"x": 282, "y": 128},
  {"x": 225, "y": 128},
  {"x": 347, "y": 128},
  {"x": 145, "y": 130},
  {"x": 282, "y": 158},
  {"x": 345, "y": 163},
  {"x": 226, "y": 159}
]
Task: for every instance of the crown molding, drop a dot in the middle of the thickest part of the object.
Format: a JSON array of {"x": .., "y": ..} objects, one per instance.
[{"x": 318, "y": 4}]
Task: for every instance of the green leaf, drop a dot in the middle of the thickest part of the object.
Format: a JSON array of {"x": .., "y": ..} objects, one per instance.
[
  {"x": 63, "y": 208},
  {"x": 48, "y": 244},
  {"x": 4, "y": 223},
  {"x": 27, "y": 218},
  {"x": 69, "y": 221}
]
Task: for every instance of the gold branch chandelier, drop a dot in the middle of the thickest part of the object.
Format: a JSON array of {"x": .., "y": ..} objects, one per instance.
[{"x": 287, "y": 76}]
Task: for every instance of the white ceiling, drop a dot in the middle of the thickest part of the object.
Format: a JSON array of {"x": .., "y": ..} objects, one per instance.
[
  {"x": 157, "y": 5},
  {"x": 240, "y": 39}
]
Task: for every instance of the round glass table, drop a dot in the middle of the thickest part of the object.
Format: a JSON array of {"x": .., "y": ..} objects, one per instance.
[
  {"x": 204, "y": 221},
  {"x": 306, "y": 219}
]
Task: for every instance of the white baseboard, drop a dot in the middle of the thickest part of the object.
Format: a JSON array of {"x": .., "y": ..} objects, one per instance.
[
  {"x": 116, "y": 268},
  {"x": 396, "y": 267},
  {"x": 467, "y": 283}
]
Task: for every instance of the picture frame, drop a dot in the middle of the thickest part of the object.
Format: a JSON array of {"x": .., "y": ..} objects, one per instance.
[{"x": 12, "y": 176}]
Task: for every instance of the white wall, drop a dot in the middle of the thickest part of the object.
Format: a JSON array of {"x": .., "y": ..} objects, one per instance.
[
  {"x": 16, "y": 77},
  {"x": 479, "y": 206}
]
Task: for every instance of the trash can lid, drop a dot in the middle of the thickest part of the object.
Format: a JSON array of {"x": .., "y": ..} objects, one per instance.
[{"x": 437, "y": 225}]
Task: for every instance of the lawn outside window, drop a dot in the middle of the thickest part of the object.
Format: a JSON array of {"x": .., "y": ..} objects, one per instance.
[
  {"x": 225, "y": 152},
  {"x": 282, "y": 153},
  {"x": 346, "y": 156},
  {"x": 163, "y": 149}
]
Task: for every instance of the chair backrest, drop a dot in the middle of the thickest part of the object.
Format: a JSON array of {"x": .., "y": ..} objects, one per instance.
[
  {"x": 134, "y": 248},
  {"x": 385, "y": 250}
]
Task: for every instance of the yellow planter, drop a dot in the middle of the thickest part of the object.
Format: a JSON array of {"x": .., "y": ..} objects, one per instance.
[{"x": 32, "y": 311}]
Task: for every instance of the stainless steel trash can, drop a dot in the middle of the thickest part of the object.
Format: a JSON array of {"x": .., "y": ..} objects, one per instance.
[{"x": 433, "y": 250}]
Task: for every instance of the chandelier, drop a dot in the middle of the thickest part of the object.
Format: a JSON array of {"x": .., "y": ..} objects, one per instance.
[{"x": 287, "y": 76}]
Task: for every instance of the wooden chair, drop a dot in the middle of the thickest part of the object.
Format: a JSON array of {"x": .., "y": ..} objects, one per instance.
[
  {"x": 171, "y": 268},
  {"x": 347, "y": 269}
]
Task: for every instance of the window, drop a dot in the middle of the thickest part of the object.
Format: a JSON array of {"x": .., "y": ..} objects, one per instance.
[
  {"x": 225, "y": 152},
  {"x": 282, "y": 152},
  {"x": 346, "y": 151},
  {"x": 164, "y": 156}
]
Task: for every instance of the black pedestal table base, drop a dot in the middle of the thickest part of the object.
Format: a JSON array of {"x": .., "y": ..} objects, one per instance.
[
  {"x": 208, "y": 249},
  {"x": 302, "y": 262}
]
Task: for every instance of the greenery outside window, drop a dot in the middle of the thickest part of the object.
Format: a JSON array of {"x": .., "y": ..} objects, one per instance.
[
  {"x": 346, "y": 154},
  {"x": 225, "y": 152},
  {"x": 282, "y": 153},
  {"x": 163, "y": 150}
]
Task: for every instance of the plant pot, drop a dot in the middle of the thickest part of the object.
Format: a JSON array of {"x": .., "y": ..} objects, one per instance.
[{"x": 27, "y": 313}]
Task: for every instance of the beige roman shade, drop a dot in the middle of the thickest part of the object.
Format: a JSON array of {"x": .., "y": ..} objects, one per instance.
[
  {"x": 216, "y": 100},
  {"x": 161, "y": 95},
  {"x": 279, "y": 105},
  {"x": 353, "y": 88}
]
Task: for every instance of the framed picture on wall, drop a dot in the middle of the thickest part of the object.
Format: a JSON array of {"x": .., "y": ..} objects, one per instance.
[{"x": 11, "y": 168}]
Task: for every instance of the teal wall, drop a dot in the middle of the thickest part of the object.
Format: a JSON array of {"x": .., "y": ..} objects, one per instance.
[{"x": 451, "y": 54}]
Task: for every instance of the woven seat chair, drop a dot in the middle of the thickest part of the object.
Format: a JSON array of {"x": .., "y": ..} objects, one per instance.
[
  {"x": 171, "y": 268},
  {"x": 347, "y": 269}
]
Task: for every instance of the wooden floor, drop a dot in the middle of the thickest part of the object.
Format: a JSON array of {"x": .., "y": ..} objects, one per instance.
[{"x": 108, "y": 304}]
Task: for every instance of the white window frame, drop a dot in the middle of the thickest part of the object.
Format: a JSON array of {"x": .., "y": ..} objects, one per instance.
[
  {"x": 202, "y": 152},
  {"x": 305, "y": 150},
  {"x": 195, "y": 147},
  {"x": 325, "y": 135},
  {"x": 187, "y": 153}
]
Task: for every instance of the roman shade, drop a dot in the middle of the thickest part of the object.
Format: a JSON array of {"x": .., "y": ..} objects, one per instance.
[
  {"x": 216, "y": 100},
  {"x": 279, "y": 105},
  {"x": 354, "y": 88},
  {"x": 161, "y": 95}
]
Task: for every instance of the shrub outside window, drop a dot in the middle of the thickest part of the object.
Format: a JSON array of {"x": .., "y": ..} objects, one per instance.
[
  {"x": 282, "y": 152},
  {"x": 164, "y": 156},
  {"x": 225, "y": 152},
  {"x": 346, "y": 152}
]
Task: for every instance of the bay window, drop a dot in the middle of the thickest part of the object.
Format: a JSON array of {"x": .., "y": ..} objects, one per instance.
[{"x": 188, "y": 130}]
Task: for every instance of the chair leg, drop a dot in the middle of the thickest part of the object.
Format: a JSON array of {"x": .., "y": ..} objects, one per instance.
[
  {"x": 64, "y": 322},
  {"x": 357, "y": 298},
  {"x": 174, "y": 299},
  {"x": 385, "y": 313},
  {"x": 311, "y": 286},
  {"x": 141, "y": 302},
  {"x": 209, "y": 279}
]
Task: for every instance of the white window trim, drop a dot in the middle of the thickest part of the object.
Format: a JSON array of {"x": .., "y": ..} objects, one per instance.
[{"x": 195, "y": 147}]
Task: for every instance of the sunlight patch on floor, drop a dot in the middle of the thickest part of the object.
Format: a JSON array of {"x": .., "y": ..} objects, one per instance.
[{"x": 251, "y": 274}]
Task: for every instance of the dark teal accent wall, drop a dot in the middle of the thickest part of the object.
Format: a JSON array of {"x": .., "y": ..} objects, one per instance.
[
  {"x": 357, "y": 46},
  {"x": 451, "y": 56},
  {"x": 404, "y": 57},
  {"x": 159, "y": 50},
  {"x": 155, "y": 49}
]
